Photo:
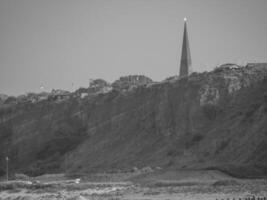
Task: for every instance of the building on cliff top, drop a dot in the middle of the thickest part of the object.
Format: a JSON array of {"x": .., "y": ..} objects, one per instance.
[
  {"x": 185, "y": 63},
  {"x": 130, "y": 82},
  {"x": 256, "y": 64}
]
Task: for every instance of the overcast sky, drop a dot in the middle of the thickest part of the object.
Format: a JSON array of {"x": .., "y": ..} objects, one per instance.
[{"x": 55, "y": 43}]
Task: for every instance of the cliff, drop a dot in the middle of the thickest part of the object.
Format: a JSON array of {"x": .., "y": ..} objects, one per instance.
[{"x": 207, "y": 120}]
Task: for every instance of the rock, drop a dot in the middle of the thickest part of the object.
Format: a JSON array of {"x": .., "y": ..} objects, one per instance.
[
  {"x": 135, "y": 169},
  {"x": 147, "y": 170},
  {"x": 79, "y": 197},
  {"x": 158, "y": 168}
]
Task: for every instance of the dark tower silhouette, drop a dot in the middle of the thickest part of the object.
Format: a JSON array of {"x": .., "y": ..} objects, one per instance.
[{"x": 185, "y": 64}]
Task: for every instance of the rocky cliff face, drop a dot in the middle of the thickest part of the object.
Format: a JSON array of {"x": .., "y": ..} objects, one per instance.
[{"x": 208, "y": 120}]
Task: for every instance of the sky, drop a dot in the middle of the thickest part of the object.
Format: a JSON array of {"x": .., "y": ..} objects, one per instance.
[{"x": 61, "y": 44}]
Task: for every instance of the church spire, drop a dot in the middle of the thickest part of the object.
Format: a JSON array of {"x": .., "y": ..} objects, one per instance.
[{"x": 185, "y": 63}]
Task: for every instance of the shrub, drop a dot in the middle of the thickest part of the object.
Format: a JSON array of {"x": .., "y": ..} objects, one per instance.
[
  {"x": 210, "y": 111},
  {"x": 174, "y": 184},
  {"x": 21, "y": 177},
  {"x": 171, "y": 152},
  {"x": 222, "y": 146},
  {"x": 197, "y": 138},
  {"x": 265, "y": 97},
  {"x": 225, "y": 183},
  {"x": 193, "y": 140}
]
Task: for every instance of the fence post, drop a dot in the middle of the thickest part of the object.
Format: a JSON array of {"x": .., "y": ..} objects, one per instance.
[{"x": 7, "y": 159}]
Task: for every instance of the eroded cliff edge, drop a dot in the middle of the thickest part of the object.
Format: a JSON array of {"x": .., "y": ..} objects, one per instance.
[{"x": 207, "y": 120}]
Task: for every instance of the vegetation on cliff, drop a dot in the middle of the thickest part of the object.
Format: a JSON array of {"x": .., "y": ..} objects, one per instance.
[{"x": 207, "y": 120}]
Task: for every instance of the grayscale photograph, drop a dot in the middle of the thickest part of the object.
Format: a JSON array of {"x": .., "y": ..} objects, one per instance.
[{"x": 133, "y": 100}]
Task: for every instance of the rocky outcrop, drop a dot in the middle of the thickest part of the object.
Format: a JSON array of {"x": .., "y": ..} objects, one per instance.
[{"x": 206, "y": 120}]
